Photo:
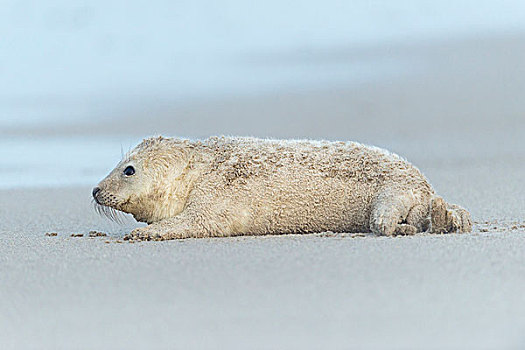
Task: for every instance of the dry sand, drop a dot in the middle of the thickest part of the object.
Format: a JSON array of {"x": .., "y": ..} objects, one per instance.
[{"x": 462, "y": 121}]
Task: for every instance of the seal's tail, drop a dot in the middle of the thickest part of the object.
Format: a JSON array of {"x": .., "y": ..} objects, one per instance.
[{"x": 447, "y": 218}]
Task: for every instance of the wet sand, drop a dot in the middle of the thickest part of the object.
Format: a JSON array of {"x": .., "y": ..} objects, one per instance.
[{"x": 461, "y": 120}]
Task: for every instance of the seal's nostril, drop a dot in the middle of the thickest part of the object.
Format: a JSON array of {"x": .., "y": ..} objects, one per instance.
[{"x": 96, "y": 190}]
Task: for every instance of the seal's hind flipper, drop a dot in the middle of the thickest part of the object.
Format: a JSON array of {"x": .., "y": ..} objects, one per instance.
[{"x": 448, "y": 218}]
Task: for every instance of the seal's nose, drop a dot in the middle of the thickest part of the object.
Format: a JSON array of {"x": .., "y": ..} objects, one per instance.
[{"x": 96, "y": 190}]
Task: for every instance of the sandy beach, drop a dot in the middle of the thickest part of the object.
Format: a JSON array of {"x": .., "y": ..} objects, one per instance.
[{"x": 461, "y": 120}]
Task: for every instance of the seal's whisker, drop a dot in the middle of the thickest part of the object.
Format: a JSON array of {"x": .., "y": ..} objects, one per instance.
[{"x": 110, "y": 213}]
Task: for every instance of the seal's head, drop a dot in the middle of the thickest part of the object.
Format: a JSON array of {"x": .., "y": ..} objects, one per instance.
[{"x": 147, "y": 183}]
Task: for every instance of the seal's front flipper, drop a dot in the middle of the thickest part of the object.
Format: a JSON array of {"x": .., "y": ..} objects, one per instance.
[
  {"x": 448, "y": 218},
  {"x": 178, "y": 227}
]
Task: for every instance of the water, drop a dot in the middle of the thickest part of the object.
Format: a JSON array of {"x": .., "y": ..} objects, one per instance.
[
  {"x": 64, "y": 61},
  {"x": 57, "y": 161},
  {"x": 95, "y": 49}
]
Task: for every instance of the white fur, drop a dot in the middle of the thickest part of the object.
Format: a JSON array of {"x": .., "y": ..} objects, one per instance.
[{"x": 226, "y": 186}]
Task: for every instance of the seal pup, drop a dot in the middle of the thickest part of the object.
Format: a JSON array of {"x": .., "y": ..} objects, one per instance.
[{"x": 231, "y": 186}]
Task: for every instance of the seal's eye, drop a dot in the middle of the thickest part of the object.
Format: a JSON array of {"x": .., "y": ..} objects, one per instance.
[{"x": 129, "y": 171}]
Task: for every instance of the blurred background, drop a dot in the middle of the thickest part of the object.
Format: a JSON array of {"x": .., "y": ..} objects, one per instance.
[{"x": 440, "y": 82}]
